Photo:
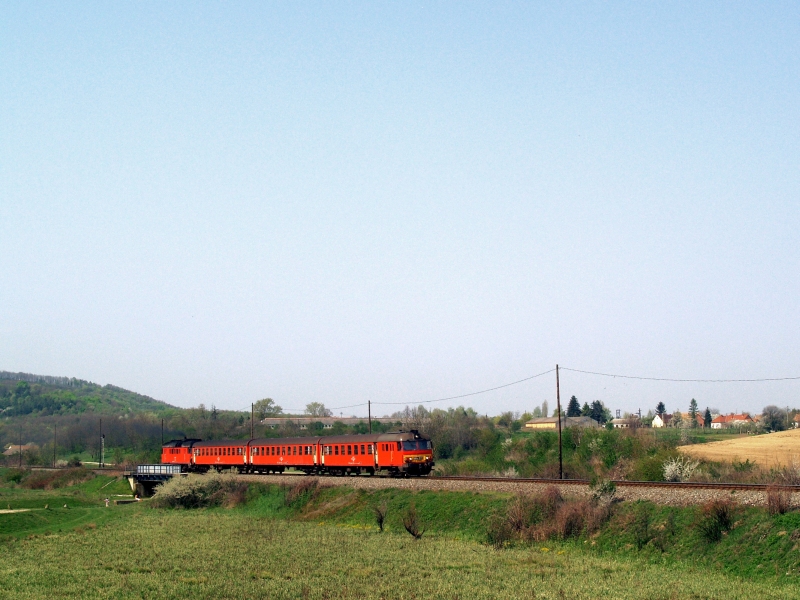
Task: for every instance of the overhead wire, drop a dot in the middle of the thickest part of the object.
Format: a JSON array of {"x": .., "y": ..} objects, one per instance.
[
  {"x": 763, "y": 379},
  {"x": 499, "y": 387}
]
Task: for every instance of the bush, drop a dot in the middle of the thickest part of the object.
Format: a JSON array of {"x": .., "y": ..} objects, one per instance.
[
  {"x": 50, "y": 480},
  {"x": 716, "y": 519},
  {"x": 779, "y": 499},
  {"x": 641, "y": 525},
  {"x": 303, "y": 491},
  {"x": 14, "y": 475},
  {"x": 679, "y": 468},
  {"x": 380, "y": 515},
  {"x": 500, "y": 532},
  {"x": 546, "y": 516},
  {"x": 412, "y": 523},
  {"x": 199, "y": 491}
]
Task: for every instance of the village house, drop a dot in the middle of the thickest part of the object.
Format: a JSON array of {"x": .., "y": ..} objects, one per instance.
[
  {"x": 662, "y": 420},
  {"x": 733, "y": 420},
  {"x": 15, "y": 449}
]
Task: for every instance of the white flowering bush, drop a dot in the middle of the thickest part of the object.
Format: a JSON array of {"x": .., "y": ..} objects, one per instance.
[
  {"x": 196, "y": 491},
  {"x": 679, "y": 468}
]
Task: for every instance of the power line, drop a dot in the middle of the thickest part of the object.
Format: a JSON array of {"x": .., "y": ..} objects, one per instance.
[
  {"x": 499, "y": 387},
  {"x": 682, "y": 380}
]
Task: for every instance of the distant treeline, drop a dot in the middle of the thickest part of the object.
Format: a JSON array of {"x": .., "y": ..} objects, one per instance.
[
  {"x": 31, "y": 378},
  {"x": 20, "y": 396}
]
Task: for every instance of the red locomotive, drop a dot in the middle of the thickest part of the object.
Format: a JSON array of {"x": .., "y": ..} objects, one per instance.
[{"x": 400, "y": 453}]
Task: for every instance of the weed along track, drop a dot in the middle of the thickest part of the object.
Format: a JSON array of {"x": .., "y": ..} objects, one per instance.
[{"x": 674, "y": 494}]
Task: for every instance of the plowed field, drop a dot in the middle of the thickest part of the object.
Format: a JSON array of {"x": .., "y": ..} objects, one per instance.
[{"x": 769, "y": 450}]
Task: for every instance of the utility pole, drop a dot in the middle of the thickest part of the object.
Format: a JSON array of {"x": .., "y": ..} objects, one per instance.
[
  {"x": 369, "y": 414},
  {"x": 20, "y": 444},
  {"x": 103, "y": 451},
  {"x": 55, "y": 442},
  {"x": 558, "y": 406},
  {"x": 162, "y": 432},
  {"x": 252, "y": 422},
  {"x": 100, "y": 458}
]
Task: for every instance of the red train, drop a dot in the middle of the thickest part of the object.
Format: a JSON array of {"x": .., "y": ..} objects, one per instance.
[{"x": 400, "y": 453}]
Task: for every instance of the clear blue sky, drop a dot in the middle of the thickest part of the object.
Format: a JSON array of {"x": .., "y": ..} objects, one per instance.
[{"x": 393, "y": 201}]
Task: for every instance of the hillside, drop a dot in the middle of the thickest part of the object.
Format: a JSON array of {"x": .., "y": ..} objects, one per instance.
[{"x": 38, "y": 395}]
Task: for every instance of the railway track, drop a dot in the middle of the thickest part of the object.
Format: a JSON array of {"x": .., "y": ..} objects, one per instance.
[{"x": 622, "y": 483}]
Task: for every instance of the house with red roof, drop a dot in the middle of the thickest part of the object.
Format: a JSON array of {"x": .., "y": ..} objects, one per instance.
[{"x": 732, "y": 420}]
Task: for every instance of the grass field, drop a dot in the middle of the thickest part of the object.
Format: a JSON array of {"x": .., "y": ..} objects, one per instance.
[
  {"x": 325, "y": 544},
  {"x": 769, "y": 450},
  {"x": 230, "y": 554}
]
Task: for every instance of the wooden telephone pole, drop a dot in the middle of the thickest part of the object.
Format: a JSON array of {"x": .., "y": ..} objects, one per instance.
[
  {"x": 558, "y": 407},
  {"x": 369, "y": 414},
  {"x": 252, "y": 422}
]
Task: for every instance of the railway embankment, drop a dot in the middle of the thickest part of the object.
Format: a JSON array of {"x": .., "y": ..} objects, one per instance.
[{"x": 663, "y": 494}]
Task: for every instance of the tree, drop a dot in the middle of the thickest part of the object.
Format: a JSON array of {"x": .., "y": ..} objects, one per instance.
[
  {"x": 773, "y": 418},
  {"x": 693, "y": 412},
  {"x": 707, "y": 418},
  {"x": 317, "y": 409},
  {"x": 537, "y": 412},
  {"x": 544, "y": 409},
  {"x": 586, "y": 410},
  {"x": 266, "y": 408},
  {"x": 599, "y": 412},
  {"x": 573, "y": 408},
  {"x": 661, "y": 410}
]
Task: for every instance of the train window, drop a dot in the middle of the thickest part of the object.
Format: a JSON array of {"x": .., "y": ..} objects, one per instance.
[
  {"x": 369, "y": 448},
  {"x": 349, "y": 451},
  {"x": 294, "y": 450},
  {"x": 398, "y": 445},
  {"x": 355, "y": 449},
  {"x": 362, "y": 448},
  {"x": 336, "y": 450}
]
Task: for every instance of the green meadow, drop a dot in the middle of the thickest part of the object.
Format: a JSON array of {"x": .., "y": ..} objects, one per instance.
[{"x": 278, "y": 542}]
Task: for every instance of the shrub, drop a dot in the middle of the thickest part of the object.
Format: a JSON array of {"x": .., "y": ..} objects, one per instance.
[
  {"x": 198, "y": 491},
  {"x": 716, "y": 519},
  {"x": 641, "y": 525},
  {"x": 649, "y": 468},
  {"x": 500, "y": 532},
  {"x": 603, "y": 490},
  {"x": 304, "y": 490},
  {"x": 14, "y": 475},
  {"x": 412, "y": 523},
  {"x": 50, "y": 480},
  {"x": 779, "y": 499},
  {"x": 679, "y": 468},
  {"x": 380, "y": 515}
]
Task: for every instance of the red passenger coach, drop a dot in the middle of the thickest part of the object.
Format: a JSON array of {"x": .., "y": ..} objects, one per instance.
[
  {"x": 222, "y": 454},
  {"x": 274, "y": 455}
]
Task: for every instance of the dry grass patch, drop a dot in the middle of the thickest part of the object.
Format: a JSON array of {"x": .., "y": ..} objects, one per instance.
[{"x": 770, "y": 450}]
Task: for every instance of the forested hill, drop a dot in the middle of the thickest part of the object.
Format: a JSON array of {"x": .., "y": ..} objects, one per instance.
[{"x": 27, "y": 394}]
